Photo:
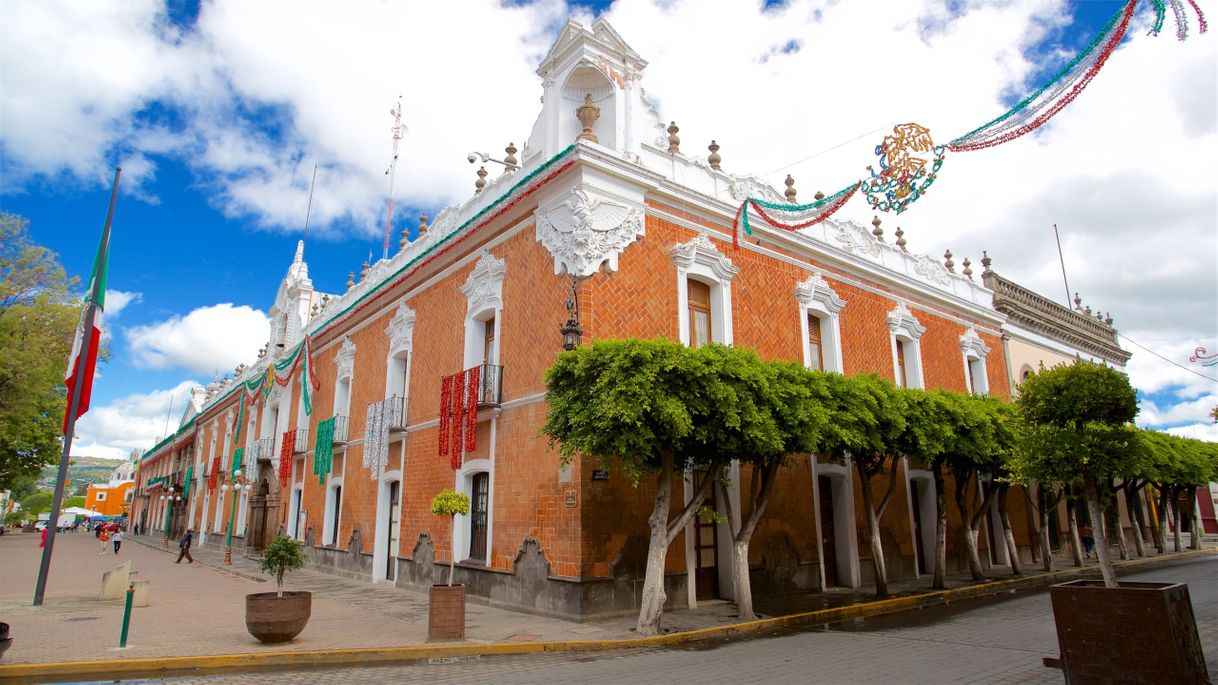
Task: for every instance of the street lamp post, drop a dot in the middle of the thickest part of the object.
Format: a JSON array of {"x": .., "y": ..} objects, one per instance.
[
  {"x": 170, "y": 498},
  {"x": 237, "y": 483},
  {"x": 572, "y": 331}
]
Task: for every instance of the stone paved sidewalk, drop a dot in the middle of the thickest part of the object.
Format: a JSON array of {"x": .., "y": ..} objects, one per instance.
[{"x": 198, "y": 609}]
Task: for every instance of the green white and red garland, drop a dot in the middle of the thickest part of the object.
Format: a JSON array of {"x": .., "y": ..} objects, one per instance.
[{"x": 904, "y": 176}]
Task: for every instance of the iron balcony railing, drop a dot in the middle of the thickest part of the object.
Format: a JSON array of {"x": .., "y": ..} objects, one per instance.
[
  {"x": 340, "y": 431},
  {"x": 264, "y": 448},
  {"x": 395, "y": 412},
  {"x": 490, "y": 381},
  {"x": 302, "y": 441}
]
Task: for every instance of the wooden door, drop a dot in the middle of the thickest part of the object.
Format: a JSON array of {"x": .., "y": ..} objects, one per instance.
[
  {"x": 827, "y": 528},
  {"x": 706, "y": 555},
  {"x": 395, "y": 512},
  {"x": 479, "y": 509}
]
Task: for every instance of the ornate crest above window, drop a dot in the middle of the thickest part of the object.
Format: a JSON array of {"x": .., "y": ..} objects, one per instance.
[
  {"x": 701, "y": 251},
  {"x": 583, "y": 231},
  {"x": 401, "y": 329},
  {"x": 345, "y": 359},
  {"x": 902, "y": 322},
  {"x": 484, "y": 288},
  {"x": 816, "y": 293},
  {"x": 972, "y": 345}
]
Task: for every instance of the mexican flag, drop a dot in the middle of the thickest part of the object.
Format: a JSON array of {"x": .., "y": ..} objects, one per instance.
[{"x": 83, "y": 359}]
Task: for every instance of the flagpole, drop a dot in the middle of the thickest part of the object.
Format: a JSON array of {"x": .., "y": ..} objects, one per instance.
[{"x": 56, "y": 502}]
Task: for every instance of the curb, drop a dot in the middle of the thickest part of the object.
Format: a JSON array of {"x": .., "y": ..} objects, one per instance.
[{"x": 286, "y": 660}]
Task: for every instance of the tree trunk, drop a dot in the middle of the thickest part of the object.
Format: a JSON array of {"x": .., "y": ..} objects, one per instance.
[
  {"x": 1178, "y": 518},
  {"x": 1194, "y": 528},
  {"x": 1076, "y": 545},
  {"x": 653, "y": 598},
  {"x": 1112, "y": 521},
  {"x": 1046, "y": 545},
  {"x": 1101, "y": 550},
  {"x": 279, "y": 584},
  {"x": 764, "y": 479},
  {"x": 940, "y": 579},
  {"x": 1012, "y": 550},
  {"x": 1131, "y": 499},
  {"x": 968, "y": 533},
  {"x": 877, "y": 545},
  {"x": 1161, "y": 531}
]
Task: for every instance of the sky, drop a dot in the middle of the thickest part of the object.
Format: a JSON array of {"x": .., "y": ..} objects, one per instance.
[{"x": 219, "y": 113}]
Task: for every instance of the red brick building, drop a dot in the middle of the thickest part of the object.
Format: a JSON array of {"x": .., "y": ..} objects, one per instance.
[{"x": 608, "y": 197}]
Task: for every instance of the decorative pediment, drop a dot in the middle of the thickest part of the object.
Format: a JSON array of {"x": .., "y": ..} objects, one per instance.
[
  {"x": 852, "y": 237},
  {"x": 972, "y": 344},
  {"x": 401, "y": 329},
  {"x": 816, "y": 291},
  {"x": 902, "y": 322},
  {"x": 702, "y": 251},
  {"x": 584, "y": 231},
  {"x": 484, "y": 287},
  {"x": 344, "y": 360}
]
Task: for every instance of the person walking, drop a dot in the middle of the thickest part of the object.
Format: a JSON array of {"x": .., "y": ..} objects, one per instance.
[
  {"x": 1088, "y": 538},
  {"x": 117, "y": 539},
  {"x": 103, "y": 534},
  {"x": 184, "y": 547}
]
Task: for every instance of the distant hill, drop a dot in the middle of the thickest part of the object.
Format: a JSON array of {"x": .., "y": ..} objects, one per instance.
[{"x": 81, "y": 473}]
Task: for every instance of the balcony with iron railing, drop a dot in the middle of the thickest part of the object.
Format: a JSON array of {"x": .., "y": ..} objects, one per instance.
[
  {"x": 264, "y": 448},
  {"x": 490, "y": 386},
  {"x": 340, "y": 431},
  {"x": 302, "y": 441},
  {"x": 395, "y": 412}
]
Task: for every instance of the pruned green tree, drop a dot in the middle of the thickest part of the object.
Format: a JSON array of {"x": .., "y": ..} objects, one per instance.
[
  {"x": 783, "y": 412},
  {"x": 868, "y": 418},
  {"x": 1080, "y": 422},
  {"x": 37, "y": 320},
  {"x": 649, "y": 407},
  {"x": 929, "y": 432}
]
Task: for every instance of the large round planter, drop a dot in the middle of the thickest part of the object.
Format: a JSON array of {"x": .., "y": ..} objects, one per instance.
[
  {"x": 1135, "y": 633},
  {"x": 5, "y": 640},
  {"x": 271, "y": 618},
  {"x": 446, "y": 615}
]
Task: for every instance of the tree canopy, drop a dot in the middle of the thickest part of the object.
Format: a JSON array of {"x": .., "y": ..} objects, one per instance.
[{"x": 37, "y": 321}]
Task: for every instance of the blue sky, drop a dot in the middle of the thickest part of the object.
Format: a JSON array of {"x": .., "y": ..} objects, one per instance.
[{"x": 219, "y": 127}]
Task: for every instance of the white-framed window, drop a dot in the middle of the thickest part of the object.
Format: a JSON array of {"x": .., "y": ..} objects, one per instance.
[
  {"x": 704, "y": 292},
  {"x": 483, "y": 292},
  {"x": 101, "y": 496},
  {"x": 974, "y": 351},
  {"x": 401, "y": 344},
  {"x": 906, "y": 349},
  {"x": 334, "y": 510},
  {"x": 344, "y": 360},
  {"x": 820, "y": 329}
]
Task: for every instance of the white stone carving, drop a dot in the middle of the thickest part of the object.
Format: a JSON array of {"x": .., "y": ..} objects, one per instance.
[
  {"x": 584, "y": 231},
  {"x": 744, "y": 187},
  {"x": 853, "y": 237},
  {"x": 484, "y": 287},
  {"x": 701, "y": 250},
  {"x": 816, "y": 291},
  {"x": 932, "y": 270},
  {"x": 901, "y": 320},
  {"x": 401, "y": 329},
  {"x": 344, "y": 359},
  {"x": 971, "y": 343}
]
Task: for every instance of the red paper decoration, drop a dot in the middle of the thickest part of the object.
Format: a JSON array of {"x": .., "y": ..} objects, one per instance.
[
  {"x": 458, "y": 413},
  {"x": 471, "y": 409},
  {"x": 446, "y": 399},
  {"x": 285, "y": 457}
]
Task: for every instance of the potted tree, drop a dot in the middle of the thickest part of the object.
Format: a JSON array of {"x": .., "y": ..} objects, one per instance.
[
  {"x": 278, "y": 616},
  {"x": 446, "y": 617}
]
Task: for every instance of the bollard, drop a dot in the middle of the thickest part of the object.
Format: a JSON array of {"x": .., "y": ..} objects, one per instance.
[{"x": 122, "y": 640}]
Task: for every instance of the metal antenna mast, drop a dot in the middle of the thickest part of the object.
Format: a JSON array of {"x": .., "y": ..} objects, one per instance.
[{"x": 398, "y": 129}]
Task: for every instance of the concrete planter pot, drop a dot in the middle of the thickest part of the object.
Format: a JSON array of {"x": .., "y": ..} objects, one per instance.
[
  {"x": 5, "y": 640},
  {"x": 1137, "y": 633},
  {"x": 446, "y": 615},
  {"x": 272, "y": 619}
]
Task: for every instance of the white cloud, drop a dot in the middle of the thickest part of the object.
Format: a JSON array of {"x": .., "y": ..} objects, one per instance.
[
  {"x": 205, "y": 340},
  {"x": 136, "y": 421},
  {"x": 117, "y": 301}
]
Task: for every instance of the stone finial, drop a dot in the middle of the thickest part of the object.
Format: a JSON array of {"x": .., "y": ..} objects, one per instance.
[
  {"x": 405, "y": 238},
  {"x": 901, "y": 239},
  {"x": 325, "y": 299},
  {"x": 674, "y": 141},
  {"x": 481, "y": 182},
  {"x": 316, "y": 310},
  {"x": 968, "y": 269},
  {"x": 262, "y": 352},
  {"x": 511, "y": 156},
  {"x": 239, "y": 370},
  {"x": 350, "y": 279},
  {"x": 422, "y": 225},
  {"x": 363, "y": 271},
  {"x": 790, "y": 191},
  {"x": 587, "y": 114},
  {"x": 947, "y": 261},
  {"x": 1078, "y": 302},
  {"x": 1108, "y": 318},
  {"x": 985, "y": 263},
  {"x": 877, "y": 231},
  {"x": 714, "y": 159},
  {"x": 1087, "y": 310},
  {"x": 818, "y": 196}
]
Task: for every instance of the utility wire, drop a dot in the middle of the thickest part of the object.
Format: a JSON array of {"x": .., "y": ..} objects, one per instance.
[
  {"x": 818, "y": 154},
  {"x": 1193, "y": 371}
]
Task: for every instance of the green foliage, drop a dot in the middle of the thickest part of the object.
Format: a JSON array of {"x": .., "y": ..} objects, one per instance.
[
  {"x": 37, "y": 322},
  {"x": 37, "y": 503},
  {"x": 869, "y": 419},
  {"x": 1076, "y": 422},
  {"x": 1169, "y": 460},
  {"x": 74, "y": 502},
  {"x": 13, "y": 518},
  {"x": 708, "y": 515},
  {"x": 283, "y": 554},
  {"x": 449, "y": 502}
]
